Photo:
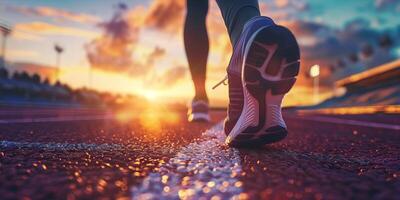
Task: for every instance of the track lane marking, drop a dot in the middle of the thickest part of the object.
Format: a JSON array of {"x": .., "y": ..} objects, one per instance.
[
  {"x": 348, "y": 122},
  {"x": 204, "y": 168},
  {"x": 5, "y": 144}
]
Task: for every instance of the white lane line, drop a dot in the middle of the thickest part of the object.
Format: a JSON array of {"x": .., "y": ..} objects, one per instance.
[
  {"x": 350, "y": 122},
  {"x": 57, "y": 119},
  {"x": 204, "y": 168},
  {"x": 4, "y": 144}
]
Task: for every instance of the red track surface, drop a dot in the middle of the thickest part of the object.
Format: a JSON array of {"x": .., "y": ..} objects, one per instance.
[{"x": 105, "y": 158}]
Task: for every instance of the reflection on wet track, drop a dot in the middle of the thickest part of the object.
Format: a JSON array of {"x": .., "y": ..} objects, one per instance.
[{"x": 206, "y": 168}]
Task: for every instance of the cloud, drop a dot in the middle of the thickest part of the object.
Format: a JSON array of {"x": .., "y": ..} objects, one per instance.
[
  {"x": 112, "y": 51},
  {"x": 387, "y": 4},
  {"x": 172, "y": 76},
  {"x": 281, "y": 3},
  {"x": 55, "y": 13},
  {"x": 298, "y": 5},
  {"x": 157, "y": 53},
  {"x": 333, "y": 43},
  {"x": 26, "y": 36},
  {"x": 165, "y": 15},
  {"x": 326, "y": 45},
  {"x": 168, "y": 15},
  {"x": 167, "y": 79},
  {"x": 24, "y": 54},
  {"x": 320, "y": 44},
  {"x": 50, "y": 29},
  {"x": 283, "y": 10}
]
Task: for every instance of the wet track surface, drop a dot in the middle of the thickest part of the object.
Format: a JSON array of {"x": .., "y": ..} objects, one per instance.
[{"x": 153, "y": 157}]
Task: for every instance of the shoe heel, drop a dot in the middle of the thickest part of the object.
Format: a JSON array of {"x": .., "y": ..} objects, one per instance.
[
  {"x": 269, "y": 72},
  {"x": 272, "y": 62}
]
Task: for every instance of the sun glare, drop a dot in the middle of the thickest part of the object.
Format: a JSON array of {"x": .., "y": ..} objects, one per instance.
[
  {"x": 152, "y": 117},
  {"x": 150, "y": 95}
]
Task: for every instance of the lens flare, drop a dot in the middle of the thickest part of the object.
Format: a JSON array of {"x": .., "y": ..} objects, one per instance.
[
  {"x": 152, "y": 117},
  {"x": 150, "y": 95}
]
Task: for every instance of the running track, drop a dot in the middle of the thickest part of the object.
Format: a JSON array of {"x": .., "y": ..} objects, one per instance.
[{"x": 86, "y": 154}]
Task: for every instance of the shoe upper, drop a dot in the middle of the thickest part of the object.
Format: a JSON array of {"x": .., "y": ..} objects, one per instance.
[
  {"x": 198, "y": 111},
  {"x": 235, "y": 105},
  {"x": 234, "y": 71},
  {"x": 198, "y": 106}
]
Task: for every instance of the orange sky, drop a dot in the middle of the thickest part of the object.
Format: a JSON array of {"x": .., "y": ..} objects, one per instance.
[{"x": 153, "y": 57}]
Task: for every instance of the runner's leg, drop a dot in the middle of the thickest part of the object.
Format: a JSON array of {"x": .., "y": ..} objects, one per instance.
[
  {"x": 236, "y": 13},
  {"x": 196, "y": 44}
]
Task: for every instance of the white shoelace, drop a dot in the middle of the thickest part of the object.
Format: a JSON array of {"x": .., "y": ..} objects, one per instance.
[{"x": 223, "y": 81}]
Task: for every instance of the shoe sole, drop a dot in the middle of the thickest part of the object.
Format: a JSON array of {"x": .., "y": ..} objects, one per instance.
[
  {"x": 269, "y": 69},
  {"x": 199, "y": 117}
]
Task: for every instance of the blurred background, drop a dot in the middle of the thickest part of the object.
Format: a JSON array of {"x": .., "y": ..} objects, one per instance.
[{"x": 99, "y": 53}]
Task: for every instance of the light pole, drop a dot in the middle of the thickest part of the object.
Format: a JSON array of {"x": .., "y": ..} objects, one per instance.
[
  {"x": 5, "y": 30},
  {"x": 58, "y": 50},
  {"x": 314, "y": 73}
]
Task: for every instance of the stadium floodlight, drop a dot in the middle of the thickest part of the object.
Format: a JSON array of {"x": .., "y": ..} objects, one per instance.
[
  {"x": 5, "y": 30},
  {"x": 58, "y": 50},
  {"x": 314, "y": 73}
]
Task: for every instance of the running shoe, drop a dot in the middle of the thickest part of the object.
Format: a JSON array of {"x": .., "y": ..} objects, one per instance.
[
  {"x": 263, "y": 67},
  {"x": 198, "y": 111}
]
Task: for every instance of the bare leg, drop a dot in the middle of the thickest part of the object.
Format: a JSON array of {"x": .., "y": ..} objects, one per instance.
[{"x": 196, "y": 44}]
